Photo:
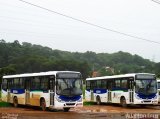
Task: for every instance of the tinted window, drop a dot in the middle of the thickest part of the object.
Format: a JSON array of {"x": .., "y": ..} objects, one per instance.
[
  {"x": 88, "y": 85},
  {"x": 158, "y": 85}
]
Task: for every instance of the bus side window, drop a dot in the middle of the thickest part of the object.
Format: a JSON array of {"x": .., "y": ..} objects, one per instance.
[
  {"x": 27, "y": 83},
  {"x": 104, "y": 84},
  {"x": 4, "y": 84},
  {"x": 44, "y": 83},
  {"x": 10, "y": 83},
  {"x": 88, "y": 86},
  {"x": 93, "y": 84},
  {"x": 124, "y": 83},
  {"x": 110, "y": 84},
  {"x": 21, "y": 83},
  {"x": 35, "y": 83},
  {"x": 16, "y": 83},
  {"x": 98, "y": 84},
  {"x": 117, "y": 83},
  {"x": 158, "y": 85}
]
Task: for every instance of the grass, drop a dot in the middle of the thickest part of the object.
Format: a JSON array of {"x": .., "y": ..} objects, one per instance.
[
  {"x": 88, "y": 103},
  {"x": 5, "y": 104}
]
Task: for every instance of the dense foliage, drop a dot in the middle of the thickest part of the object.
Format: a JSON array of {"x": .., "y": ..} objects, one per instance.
[{"x": 18, "y": 58}]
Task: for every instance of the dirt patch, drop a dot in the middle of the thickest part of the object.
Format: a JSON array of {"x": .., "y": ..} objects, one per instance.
[{"x": 86, "y": 112}]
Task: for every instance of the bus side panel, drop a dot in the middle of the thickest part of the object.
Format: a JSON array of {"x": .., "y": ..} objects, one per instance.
[
  {"x": 20, "y": 94},
  {"x": 102, "y": 93},
  {"x": 88, "y": 95},
  {"x": 116, "y": 96},
  {"x": 4, "y": 95},
  {"x": 35, "y": 97},
  {"x": 46, "y": 96}
]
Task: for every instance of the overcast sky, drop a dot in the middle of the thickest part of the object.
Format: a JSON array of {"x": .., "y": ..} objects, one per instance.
[{"x": 26, "y": 23}]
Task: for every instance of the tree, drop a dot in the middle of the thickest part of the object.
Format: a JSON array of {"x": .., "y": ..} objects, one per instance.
[{"x": 27, "y": 57}]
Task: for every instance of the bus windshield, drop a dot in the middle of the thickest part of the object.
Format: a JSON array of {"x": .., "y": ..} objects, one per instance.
[
  {"x": 146, "y": 86},
  {"x": 69, "y": 87}
]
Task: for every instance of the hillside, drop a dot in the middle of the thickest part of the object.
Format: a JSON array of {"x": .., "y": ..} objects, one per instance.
[{"x": 26, "y": 57}]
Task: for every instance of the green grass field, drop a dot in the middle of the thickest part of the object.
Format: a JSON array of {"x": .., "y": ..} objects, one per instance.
[
  {"x": 5, "y": 104},
  {"x": 88, "y": 103}
]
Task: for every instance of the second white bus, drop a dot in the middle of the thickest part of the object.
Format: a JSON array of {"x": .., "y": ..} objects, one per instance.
[{"x": 135, "y": 88}]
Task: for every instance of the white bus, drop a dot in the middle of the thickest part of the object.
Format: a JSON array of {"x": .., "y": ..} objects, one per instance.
[
  {"x": 135, "y": 88},
  {"x": 53, "y": 89},
  {"x": 158, "y": 86}
]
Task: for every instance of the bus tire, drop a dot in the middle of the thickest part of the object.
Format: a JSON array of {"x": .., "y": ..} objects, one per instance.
[
  {"x": 98, "y": 100},
  {"x": 66, "y": 109},
  {"x": 123, "y": 102},
  {"x": 15, "y": 102},
  {"x": 43, "y": 104}
]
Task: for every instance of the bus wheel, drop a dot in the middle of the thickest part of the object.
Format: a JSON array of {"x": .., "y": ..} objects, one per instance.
[
  {"x": 15, "y": 102},
  {"x": 123, "y": 102},
  {"x": 43, "y": 105},
  {"x": 66, "y": 109},
  {"x": 98, "y": 100}
]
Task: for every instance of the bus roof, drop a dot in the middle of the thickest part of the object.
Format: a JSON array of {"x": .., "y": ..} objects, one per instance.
[
  {"x": 37, "y": 74},
  {"x": 158, "y": 80},
  {"x": 117, "y": 76}
]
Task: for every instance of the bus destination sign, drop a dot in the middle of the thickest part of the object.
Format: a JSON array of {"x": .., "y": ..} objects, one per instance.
[{"x": 68, "y": 75}]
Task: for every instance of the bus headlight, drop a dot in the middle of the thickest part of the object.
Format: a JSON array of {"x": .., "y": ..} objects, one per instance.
[{"x": 80, "y": 100}]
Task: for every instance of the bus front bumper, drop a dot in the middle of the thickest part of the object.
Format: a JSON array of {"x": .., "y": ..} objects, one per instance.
[
  {"x": 60, "y": 105},
  {"x": 147, "y": 101}
]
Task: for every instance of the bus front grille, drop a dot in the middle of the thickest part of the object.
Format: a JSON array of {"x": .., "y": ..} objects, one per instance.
[
  {"x": 70, "y": 104},
  {"x": 147, "y": 100}
]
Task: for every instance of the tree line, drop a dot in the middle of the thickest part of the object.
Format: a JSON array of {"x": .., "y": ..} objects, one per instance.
[{"x": 16, "y": 58}]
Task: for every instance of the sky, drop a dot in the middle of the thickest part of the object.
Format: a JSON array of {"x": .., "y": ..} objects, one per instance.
[{"x": 141, "y": 18}]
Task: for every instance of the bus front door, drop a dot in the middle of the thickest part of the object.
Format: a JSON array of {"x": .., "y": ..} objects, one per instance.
[
  {"x": 109, "y": 96},
  {"x": 109, "y": 87},
  {"x": 130, "y": 90},
  {"x": 51, "y": 86},
  {"x": 92, "y": 95},
  {"x": 27, "y": 95},
  {"x": 8, "y": 95},
  {"x": 9, "y": 91}
]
